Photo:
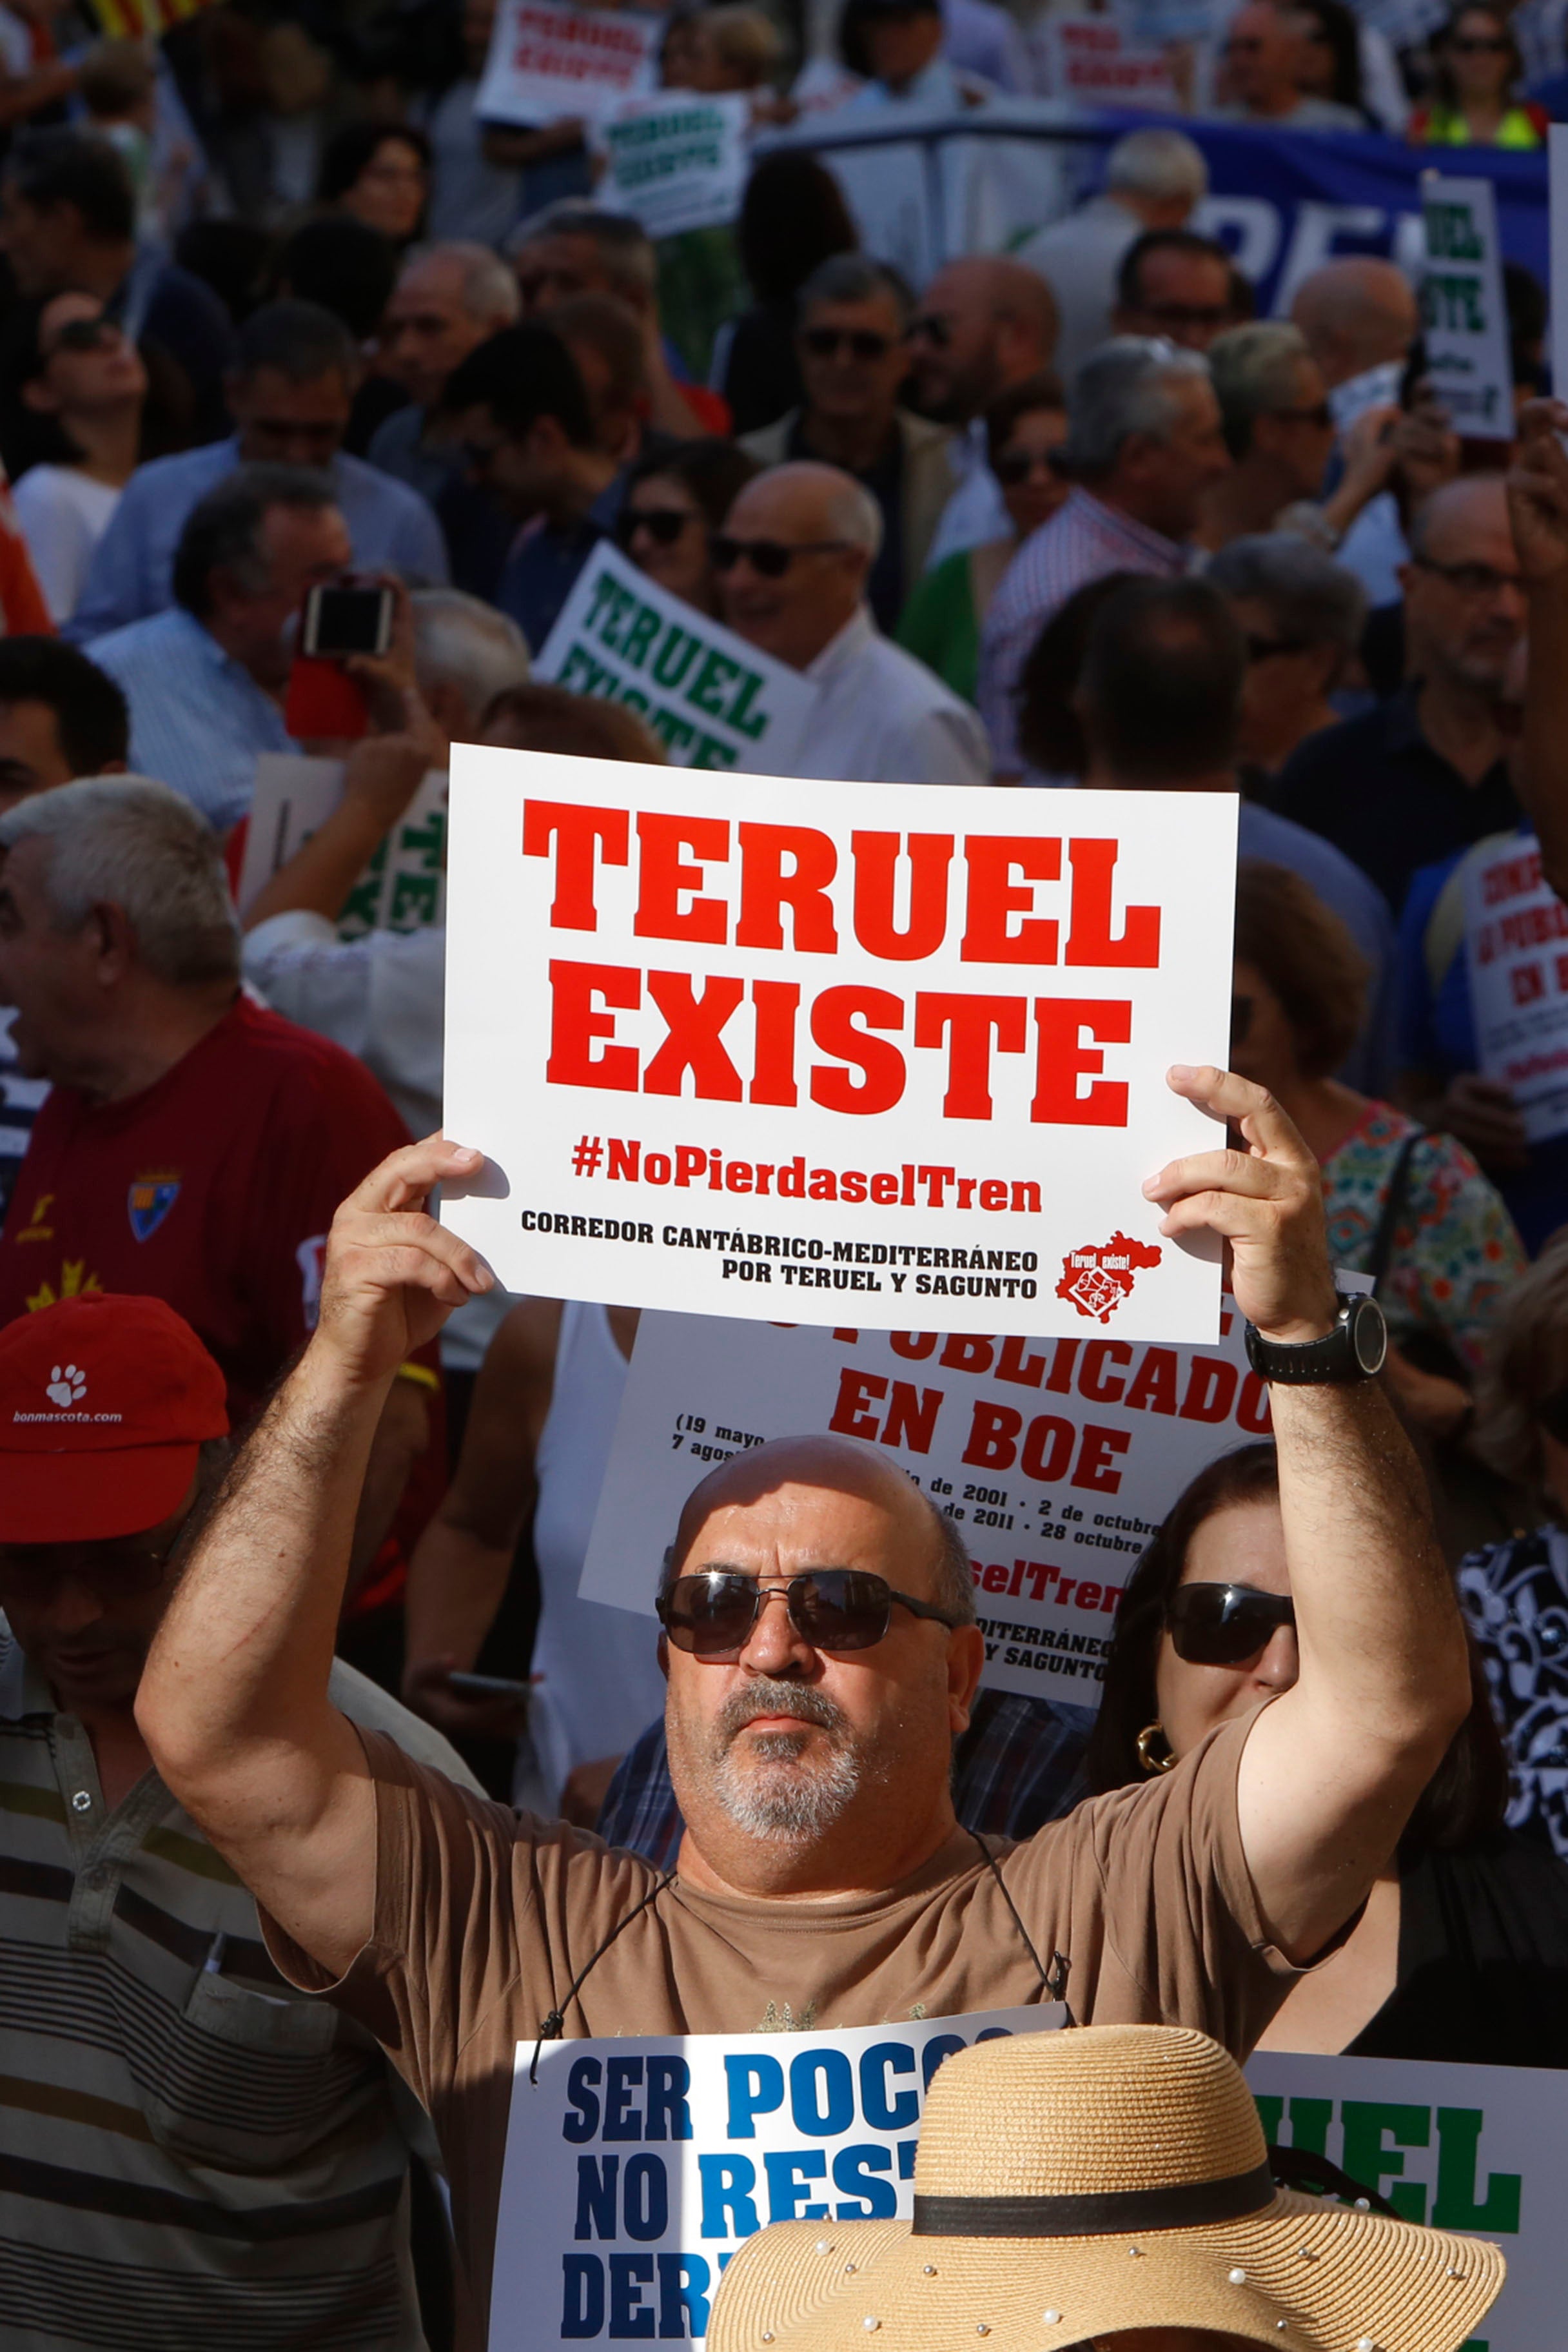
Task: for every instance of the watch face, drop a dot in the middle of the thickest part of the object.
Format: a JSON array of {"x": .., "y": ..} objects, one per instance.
[{"x": 1369, "y": 1335}]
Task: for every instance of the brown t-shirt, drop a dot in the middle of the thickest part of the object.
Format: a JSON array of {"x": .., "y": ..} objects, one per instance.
[{"x": 483, "y": 1920}]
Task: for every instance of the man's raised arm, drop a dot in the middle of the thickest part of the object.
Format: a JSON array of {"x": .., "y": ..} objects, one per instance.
[
  {"x": 232, "y": 1703},
  {"x": 1330, "y": 1770}
]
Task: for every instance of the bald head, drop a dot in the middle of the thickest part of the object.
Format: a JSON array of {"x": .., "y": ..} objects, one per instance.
[
  {"x": 1463, "y": 602},
  {"x": 833, "y": 529},
  {"x": 767, "y": 1478},
  {"x": 1356, "y": 313},
  {"x": 1448, "y": 526},
  {"x": 985, "y": 325}
]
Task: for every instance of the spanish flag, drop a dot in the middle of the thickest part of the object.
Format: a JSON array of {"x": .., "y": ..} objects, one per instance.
[{"x": 143, "y": 20}]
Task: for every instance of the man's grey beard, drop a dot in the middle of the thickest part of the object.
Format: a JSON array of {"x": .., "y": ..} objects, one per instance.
[{"x": 772, "y": 1796}]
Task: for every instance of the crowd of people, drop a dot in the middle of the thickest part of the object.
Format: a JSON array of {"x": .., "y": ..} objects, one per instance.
[{"x": 322, "y": 1789}]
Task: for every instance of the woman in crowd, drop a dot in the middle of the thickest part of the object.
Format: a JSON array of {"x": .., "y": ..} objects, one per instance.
[
  {"x": 675, "y": 501},
  {"x": 792, "y": 218},
  {"x": 1409, "y": 1208},
  {"x": 941, "y": 622},
  {"x": 1515, "y": 1594},
  {"x": 378, "y": 172},
  {"x": 1302, "y": 615},
  {"x": 84, "y": 388},
  {"x": 1476, "y": 71},
  {"x": 1462, "y": 1949}
]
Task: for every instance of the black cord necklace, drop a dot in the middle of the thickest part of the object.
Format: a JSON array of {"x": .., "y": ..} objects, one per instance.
[
  {"x": 1055, "y": 1977},
  {"x": 554, "y": 2024}
]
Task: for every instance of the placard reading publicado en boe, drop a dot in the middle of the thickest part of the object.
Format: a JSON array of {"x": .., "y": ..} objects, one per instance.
[{"x": 829, "y": 1053}]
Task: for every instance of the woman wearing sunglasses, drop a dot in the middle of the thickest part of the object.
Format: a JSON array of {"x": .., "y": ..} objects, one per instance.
[
  {"x": 1462, "y": 1949},
  {"x": 82, "y": 389},
  {"x": 675, "y": 500},
  {"x": 1475, "y": 68},
  {"x": 941, "y": 624},
  {"x": 1407, "y": 1207}
]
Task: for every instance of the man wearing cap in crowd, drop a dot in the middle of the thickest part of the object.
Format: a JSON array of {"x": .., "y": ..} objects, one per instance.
[
  {"x": 823, "y": 1876},
  {"x": 189, "y": 2153},
  {"x": 1109, "y": 2186}
]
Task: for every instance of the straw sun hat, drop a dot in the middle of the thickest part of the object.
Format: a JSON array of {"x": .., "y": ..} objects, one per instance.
[{"x": 1069, "y": 2185}]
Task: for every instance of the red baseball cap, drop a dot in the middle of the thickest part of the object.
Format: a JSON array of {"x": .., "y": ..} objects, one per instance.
[{"x": 103, "y": 1404}]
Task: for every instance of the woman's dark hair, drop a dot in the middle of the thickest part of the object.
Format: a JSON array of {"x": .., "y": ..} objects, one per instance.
[
  {"x": 1308, "y": 959},
  {"x": 1050, "y": 729},
  {"x": 793, "y": 218},
  {"x": 1443, "y": 85},
  {"x": 713, "y": 472},
  {"x": 340, "y": 265},
  {"x": 1341, "y": 36},
  {"x": 1464, "y": 1800},
  {"x": 355, "y": 145},
  {"x": 1044, "y": 389}
]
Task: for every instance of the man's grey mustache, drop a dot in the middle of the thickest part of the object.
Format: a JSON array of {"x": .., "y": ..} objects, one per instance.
[{"x": 766, "y": 1697}]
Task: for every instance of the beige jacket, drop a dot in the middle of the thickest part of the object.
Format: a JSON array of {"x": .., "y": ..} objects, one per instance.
[{"x": 928, "y": 477}]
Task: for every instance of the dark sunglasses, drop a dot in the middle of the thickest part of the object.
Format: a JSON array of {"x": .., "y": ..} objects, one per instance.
[
  {"x": 711, "y": 1616},
  {"x": 1268, "y": 648},
  {"x": 929, "y": 328},
  {"x": 1319, "y": 413},
  {"x": 823, "y": 342},
  {"x": 663, "y": 525},
  {"x": 1223, "y": 1624},
  {"x": 1015, "y": 467},
  {"x": 111, "y": 1571},
  {"x": 769, "y": 558},
  {"x": 1468, "y": 49},
  {"x": 83, "y": 335}
]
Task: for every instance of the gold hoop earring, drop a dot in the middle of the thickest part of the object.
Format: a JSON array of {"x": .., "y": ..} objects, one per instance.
[{"x": 1148, "y": 1756}]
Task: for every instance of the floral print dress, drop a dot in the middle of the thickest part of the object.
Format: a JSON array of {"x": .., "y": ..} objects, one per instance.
[{"x": 1455, "y": 1247}]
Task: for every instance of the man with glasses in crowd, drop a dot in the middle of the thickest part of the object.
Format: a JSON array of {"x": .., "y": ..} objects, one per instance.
[
  {"x": 853, "y": 322},
  {"x": 792, "y": 563},
  {"x": 1176, "y": 284},
  {"x": 1261, "y": 62},
  {"x": 985, "y": 325},
  {"x": 823, "y": 1875},
  {"x": 1425, "y": 773}
]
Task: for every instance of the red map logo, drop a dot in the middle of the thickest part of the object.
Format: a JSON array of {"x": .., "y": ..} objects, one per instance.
[{"x": 1098, "y": 1278}]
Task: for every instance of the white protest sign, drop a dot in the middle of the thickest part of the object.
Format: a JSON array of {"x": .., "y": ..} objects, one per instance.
[
  {"x": 1516, "y": 942},
  {"x": 547, "y": 61},
  {"x": 636, "y": 2168},
  {"x": 675, "y": 162},
  {"x": 1463, "y": 313},
  {"x": 1095, "y": 60},
  {"x": 1057, "y": 1461},
  {"x": 403, "y": 887},
  {"x": 1477, "y": 2148},
  {"x": 712, "y": 700},
  {"x": 724, "y": 1040}
]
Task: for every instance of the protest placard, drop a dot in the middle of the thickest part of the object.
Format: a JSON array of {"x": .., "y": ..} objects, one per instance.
[
  {"x": 403, "y": 886},
  {"x": 1477, "y": 2148},
  {"x": 675, "y": 162},
  {"x": 1515, "y": 943},
  {"x": 1096, "y": 61},
  {"x": 1057, "y": 1461},
  {"x": 635, "y": 2168},
  {"x": 1463, "y": 312},
  {"x": 620, "y": 636},
  {"x": 547, "y": 61},
  {"x": 739, "y": 1047}
]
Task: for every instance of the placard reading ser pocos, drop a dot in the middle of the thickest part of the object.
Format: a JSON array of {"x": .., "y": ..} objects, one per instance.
[{"x": 819, "y": 1052}]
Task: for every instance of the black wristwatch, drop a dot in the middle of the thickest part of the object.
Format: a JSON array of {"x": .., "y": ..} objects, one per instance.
[{"x": 1353, "y": 1351}]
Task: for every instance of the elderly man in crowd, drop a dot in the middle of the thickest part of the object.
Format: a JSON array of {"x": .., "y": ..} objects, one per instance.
[
  {"x": 205, "y": 679},
  {"x": 1359, "y": 316},
  {"x": 1174, "y": 283},
  {"x": 1144, "y": 444},
  {"x": 852, "y": 328},
  {"x": 793, "y": 562},
  {"x": 1153, "y": 178},
  {"x": 290, "y": 396},
  {"x": 810, "y": 1778},
  {"x": 448, "y": 299},
  {"x": 985, "y": 325},
  {"x": 1425, "y": 773},
  {"x": 192, "y": 1145},
  {"x": 1279, "y": 430},
  {"x": 571, "y": 247},
  {"x": 177, "y": 2128},
  {"x": 1262, "y": 58}
]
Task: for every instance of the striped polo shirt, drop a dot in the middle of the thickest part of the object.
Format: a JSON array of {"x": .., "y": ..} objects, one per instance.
[{"x": 192, "y": 2155}]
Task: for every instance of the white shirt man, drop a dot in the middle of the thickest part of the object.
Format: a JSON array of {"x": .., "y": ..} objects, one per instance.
[{"x": 797, "y": 546}]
